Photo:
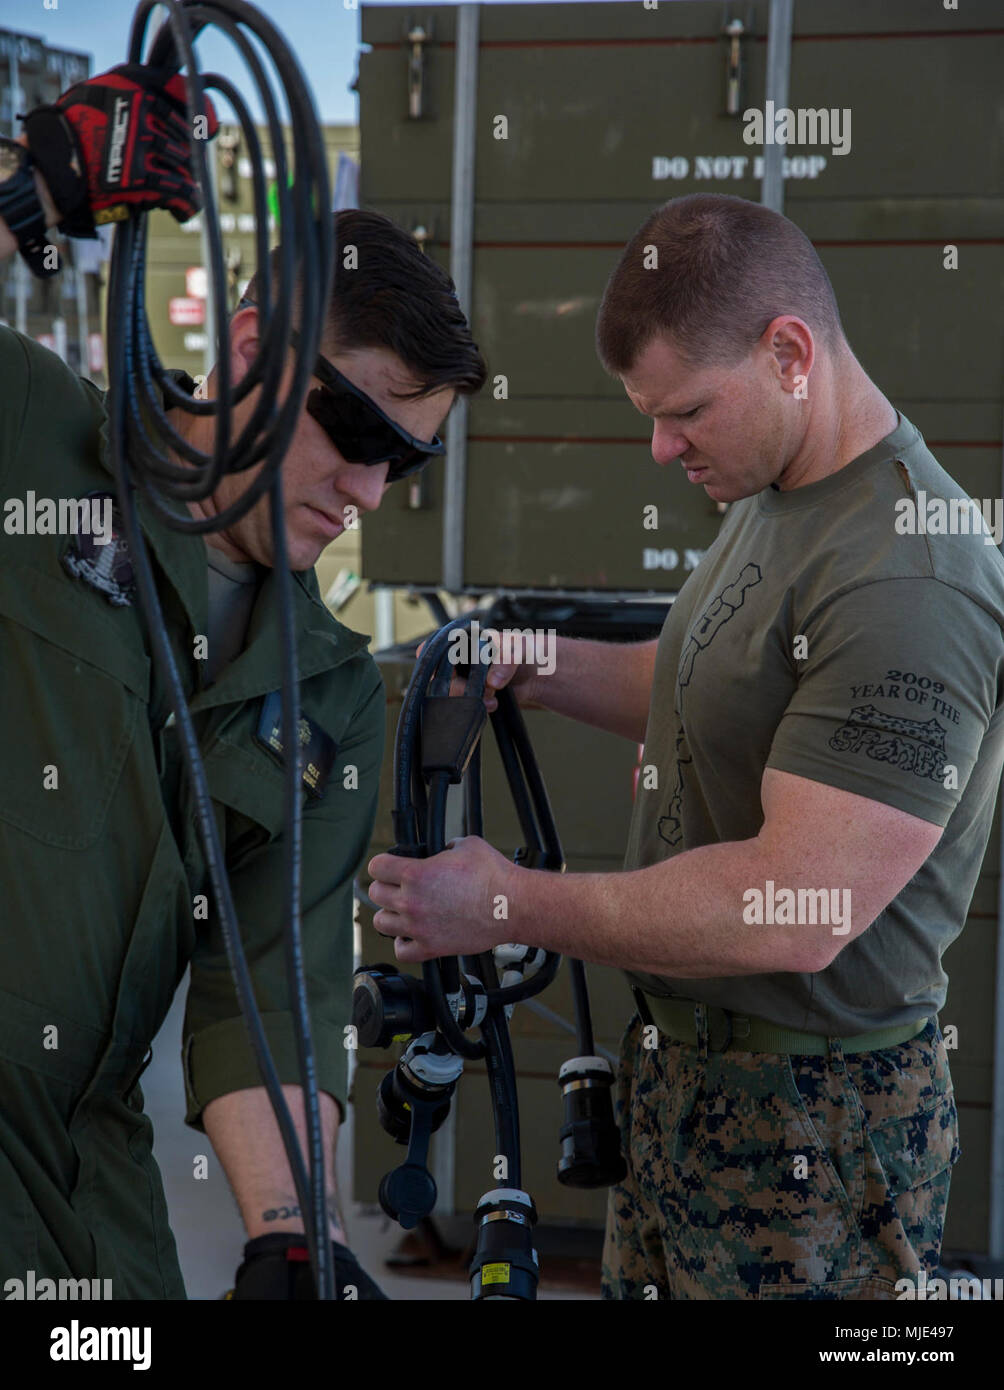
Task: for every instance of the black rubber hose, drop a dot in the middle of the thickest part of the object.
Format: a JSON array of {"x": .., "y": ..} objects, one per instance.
[
  {"x": 474, "y": 815},
  {"x": 408, "y": 811},
  {"x": 518, "y": 789},
  {"x": 408, "y": 733},
  {"x": 432, "y": 676},
  {"x": 580, "y": 1002},
  {"x": 436, "y": 843},
  {"x": 501, "y": 1068},
  {"x": 513, "y": 717}
]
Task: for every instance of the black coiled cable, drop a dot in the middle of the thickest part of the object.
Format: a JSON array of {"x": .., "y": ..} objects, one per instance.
[
  {"x": 142, "y": 438},
  {"x": 419, "y": 825}
]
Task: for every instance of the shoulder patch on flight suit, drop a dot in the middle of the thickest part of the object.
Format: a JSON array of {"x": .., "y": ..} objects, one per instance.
[
  {"x": 318, "y": 748},
  {"x": 107, "y": 568}
]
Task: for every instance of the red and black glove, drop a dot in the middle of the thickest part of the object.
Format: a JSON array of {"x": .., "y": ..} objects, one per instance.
[
  {"x": 118, "y": 144},
  {"x": 278, "y": 1267}
]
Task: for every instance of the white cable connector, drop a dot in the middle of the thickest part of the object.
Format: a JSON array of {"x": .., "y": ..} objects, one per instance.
[{"x": 510, "y": 953}]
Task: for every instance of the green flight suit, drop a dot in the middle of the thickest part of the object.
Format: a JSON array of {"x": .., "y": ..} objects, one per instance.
[{"x": 101, "y": 862}]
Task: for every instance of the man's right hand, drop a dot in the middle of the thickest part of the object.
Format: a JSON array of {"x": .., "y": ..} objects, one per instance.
[
  {"x": 523, "y": 680},
  {"x": 607, "y": 685},
  {"x": 118, "y": 144}
]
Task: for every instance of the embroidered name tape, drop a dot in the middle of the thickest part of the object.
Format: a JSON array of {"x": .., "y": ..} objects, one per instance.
[{"x": 316, "y": 748}]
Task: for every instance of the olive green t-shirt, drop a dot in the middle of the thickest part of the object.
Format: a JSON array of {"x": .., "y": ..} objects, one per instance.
[{"x": 895, "y": 694}]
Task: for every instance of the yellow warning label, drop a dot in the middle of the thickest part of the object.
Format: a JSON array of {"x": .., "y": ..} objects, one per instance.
[{"x": 495, "y": 1274}]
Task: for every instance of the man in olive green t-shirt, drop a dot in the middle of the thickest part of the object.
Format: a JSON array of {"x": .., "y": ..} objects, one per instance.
[
  {"x": 824, "y": 738},
  {"x": 816, "y": 640}
]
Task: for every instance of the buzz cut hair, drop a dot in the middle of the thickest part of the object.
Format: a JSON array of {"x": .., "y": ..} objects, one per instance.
[{"x": 710, "y": 272}]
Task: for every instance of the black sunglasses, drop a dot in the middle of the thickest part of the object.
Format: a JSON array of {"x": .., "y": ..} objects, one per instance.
[{"x": 358, "y": 428}]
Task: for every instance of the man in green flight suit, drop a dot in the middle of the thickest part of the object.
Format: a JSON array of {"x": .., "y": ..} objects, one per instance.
[{"x": 107, "y": 897}]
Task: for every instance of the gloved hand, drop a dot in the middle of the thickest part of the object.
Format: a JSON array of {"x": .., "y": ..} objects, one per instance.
[
  {"x": 278, "y": 1267},
  {"x": 118, "y": 144}
]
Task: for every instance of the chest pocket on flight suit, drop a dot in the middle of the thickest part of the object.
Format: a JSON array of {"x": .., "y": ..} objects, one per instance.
[
  {"x": 246, "y": 787},
  {"x": 69, "y": 703},
  {"x": 250, "y": 781}
]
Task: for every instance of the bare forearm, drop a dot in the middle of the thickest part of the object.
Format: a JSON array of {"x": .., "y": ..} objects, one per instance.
[
  {"x": 605, "y": 684},
  {"x": 245, "y": 1134},
  {"x": 8, "y": 243},
  {"x": 683, "y": 917}
]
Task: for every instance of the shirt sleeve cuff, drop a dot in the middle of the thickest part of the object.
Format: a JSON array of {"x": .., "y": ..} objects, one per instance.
[
  {"x": 862, "y": 782},
  {"x": 219, "y": 1059}
]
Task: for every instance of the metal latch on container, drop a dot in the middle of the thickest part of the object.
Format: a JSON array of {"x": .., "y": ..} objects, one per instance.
[
  {"x": 734, "y": 31},
  {"x": 418, "y": 37}
]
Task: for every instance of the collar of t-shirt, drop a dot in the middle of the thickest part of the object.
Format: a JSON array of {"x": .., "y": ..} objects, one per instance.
[
  {"x": 773, "y": 501},
  {"x": 233, "y": 588}
]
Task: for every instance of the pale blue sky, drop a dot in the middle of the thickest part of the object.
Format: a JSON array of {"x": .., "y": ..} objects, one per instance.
[{"x": 323, "y": 34}]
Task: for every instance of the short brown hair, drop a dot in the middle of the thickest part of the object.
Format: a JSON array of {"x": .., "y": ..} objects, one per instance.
[
  {"x": 724, "y": 269},
  {"x": 396, "y": 298}
]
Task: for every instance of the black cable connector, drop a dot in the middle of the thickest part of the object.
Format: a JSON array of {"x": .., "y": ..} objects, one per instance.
[
  {"x": 505, "y": 1264},
  {"x": 590, "y": 1140}
]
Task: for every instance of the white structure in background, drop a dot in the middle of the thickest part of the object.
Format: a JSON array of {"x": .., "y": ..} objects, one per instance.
[{"x": 346, "y": 183}]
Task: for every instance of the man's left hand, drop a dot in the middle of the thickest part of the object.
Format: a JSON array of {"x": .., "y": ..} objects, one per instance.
[
  {"x": 277, "y": 1267},
  {"x": 456, "y": 903}
]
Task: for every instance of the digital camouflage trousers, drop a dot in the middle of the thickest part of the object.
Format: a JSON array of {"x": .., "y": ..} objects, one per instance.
[{"x": 754, "y": 1175}]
